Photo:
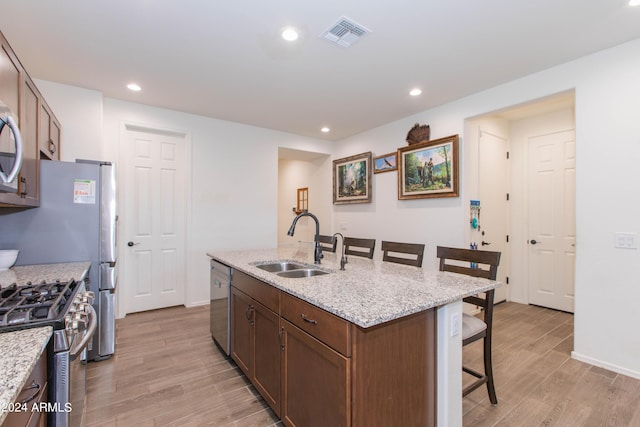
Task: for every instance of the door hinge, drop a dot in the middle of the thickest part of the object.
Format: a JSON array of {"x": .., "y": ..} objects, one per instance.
[
  {"x": 507, "y": 280},
  {"x": 507, "y": 238},
  {"x": 507, "y": 196},
  {"x": 507, "y": 155}
]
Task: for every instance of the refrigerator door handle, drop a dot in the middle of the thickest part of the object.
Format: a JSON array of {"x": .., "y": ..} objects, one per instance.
[
  {"x": 108, "y": 213},
  {"x": 108, "y": 277}
]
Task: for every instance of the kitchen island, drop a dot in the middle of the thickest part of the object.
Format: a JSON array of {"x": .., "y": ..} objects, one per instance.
[{"x": 398, "y": 327}]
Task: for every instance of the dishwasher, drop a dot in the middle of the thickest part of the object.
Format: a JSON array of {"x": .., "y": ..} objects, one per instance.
[{"x": 220, "y": 325}]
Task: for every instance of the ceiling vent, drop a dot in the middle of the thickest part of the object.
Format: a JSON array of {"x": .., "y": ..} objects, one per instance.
[{"x": 345, "y": 32}]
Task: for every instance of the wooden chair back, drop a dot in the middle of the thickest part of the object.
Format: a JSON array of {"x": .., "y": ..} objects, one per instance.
[
  {"x": 363, "y": 247},
  {"x": 328, "y": 243},
  {"x": 488, "y": 259},
  {"x": 414, "y": 249}
]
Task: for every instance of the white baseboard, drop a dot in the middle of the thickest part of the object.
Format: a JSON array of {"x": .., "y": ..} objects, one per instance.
[
  {"x": 197, "y": 303},
  {"x": 605, "y": 365}
]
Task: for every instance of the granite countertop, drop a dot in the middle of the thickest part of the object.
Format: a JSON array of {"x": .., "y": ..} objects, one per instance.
[
  {"x": 39, "y": 273},
  {"x": 19, "y": 352},
  {"x": 368, "y": 292}
]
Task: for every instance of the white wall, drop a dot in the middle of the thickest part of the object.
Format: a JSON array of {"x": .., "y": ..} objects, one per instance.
[
  {"x": 387, "y": 218},
  {"x": 608, "y": 148},
  {"x": 316, "y": 176}
]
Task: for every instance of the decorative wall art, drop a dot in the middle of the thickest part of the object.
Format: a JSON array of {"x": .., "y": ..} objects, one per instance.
[
  {"x": 428, "y": 169},
  {"x": 385, "y": 163},
  {"x": 352, "y": 179},
  {"x": 418, "y": 133}
]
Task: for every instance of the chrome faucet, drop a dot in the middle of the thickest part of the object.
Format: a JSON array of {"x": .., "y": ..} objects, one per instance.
[
  {"x": 343, "y": 258},
  {"x": 317, "y": 255}
]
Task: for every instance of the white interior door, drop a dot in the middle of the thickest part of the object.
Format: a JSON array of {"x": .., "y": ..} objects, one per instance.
[
  {"x": 153, "y": 219},
  {"x": 493, "y": 181},
  {"x": 552, "y": 220}
]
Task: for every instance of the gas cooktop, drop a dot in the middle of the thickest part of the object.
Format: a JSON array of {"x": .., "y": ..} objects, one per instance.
[{"x": 42, "y": 304}]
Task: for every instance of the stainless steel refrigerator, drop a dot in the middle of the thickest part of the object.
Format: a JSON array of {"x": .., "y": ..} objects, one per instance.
[{"x": 76, "y": 221}]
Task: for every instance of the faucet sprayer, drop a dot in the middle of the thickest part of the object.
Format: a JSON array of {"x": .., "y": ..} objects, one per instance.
[
  {"x": 317, "y": 255},
  {"x": 343, "y": 258}
]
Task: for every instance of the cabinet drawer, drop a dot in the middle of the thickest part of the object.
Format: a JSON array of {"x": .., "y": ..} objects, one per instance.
[
  {"x": 265, "y": 294},
  {"x": 326, "y": 327}
]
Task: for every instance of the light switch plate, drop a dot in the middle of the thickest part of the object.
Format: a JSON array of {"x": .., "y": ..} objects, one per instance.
[{"x": 626, "y": 240}]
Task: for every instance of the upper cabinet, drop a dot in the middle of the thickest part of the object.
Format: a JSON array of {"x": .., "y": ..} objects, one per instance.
[
  {"x": 39, "y": 127},
  {"x": 49, "y": 136},
  {"x": 28, "y": 180}
]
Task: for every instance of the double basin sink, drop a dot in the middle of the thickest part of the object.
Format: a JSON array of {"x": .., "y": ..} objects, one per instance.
[{"x": 291, "y": 269}]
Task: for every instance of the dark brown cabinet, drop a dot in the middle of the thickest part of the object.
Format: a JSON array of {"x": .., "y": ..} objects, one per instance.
[
  {"x": 10, "y": 70},
  {"x": 255, "y": 335},
  {"x": 28, "y": 185},
  {"x": 40, "y": 129},
  {"x": 49, "y": 135},
  {"x": 242, "y": 331},
  {"x": 317, "y": 369},
  {"x": 315, "y": 381},
  {"x": 266, "y": 366}
]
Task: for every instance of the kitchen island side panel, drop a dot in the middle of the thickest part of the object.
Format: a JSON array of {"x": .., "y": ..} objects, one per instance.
[{"x": 394, "y": 375}]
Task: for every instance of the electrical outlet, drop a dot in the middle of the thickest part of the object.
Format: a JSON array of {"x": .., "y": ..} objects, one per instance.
[
  {"x": 626, "y": 240},
  {"x": 455, "y": 324}
]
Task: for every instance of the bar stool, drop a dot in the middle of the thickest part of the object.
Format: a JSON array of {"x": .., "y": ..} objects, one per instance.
[{"x": 474, "y": 328}]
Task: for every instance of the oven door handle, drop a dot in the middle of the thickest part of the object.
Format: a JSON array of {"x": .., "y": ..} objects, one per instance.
[{"x": 91, "y": 329}]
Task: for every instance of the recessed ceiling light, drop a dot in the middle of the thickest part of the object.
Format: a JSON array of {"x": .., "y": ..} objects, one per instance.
[
  {"x": 415, "y": 92},
  {"x": 290, "y": 34},
  {"x": 634, "y": 2},
  {"x": 325, "y": 129},
  {"x": 134, "y": 87}
]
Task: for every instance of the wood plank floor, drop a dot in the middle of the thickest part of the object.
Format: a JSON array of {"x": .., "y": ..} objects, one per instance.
[{"x": 168, "y": 372}]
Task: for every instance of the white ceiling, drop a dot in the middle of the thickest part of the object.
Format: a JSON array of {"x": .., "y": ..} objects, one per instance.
[{"x": 225, "y": 58}]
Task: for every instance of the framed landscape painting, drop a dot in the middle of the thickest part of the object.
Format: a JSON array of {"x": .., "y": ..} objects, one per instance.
[
  {"x": 428, "y": 169},
  {"x": 352, "y": 179},
  {"x": 385, "y": 163}
]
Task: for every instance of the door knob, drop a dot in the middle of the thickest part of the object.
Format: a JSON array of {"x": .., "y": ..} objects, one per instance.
[
  {"x": 132, "y": 244},
  {"x": 485, "y": 243},
  {"x": 533, "y": 241}
]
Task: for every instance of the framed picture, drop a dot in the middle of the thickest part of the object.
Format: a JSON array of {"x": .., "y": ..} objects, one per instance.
[
  {"x": 352, "y": 179},
  {"x": 385, "y": 163},
  {"x": 428, "y": 169}
]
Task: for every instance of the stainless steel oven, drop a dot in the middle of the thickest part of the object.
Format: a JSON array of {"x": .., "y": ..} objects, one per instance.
[
  {"x": 67, "y": 308},
  {"x": 70, "y": 368}
]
